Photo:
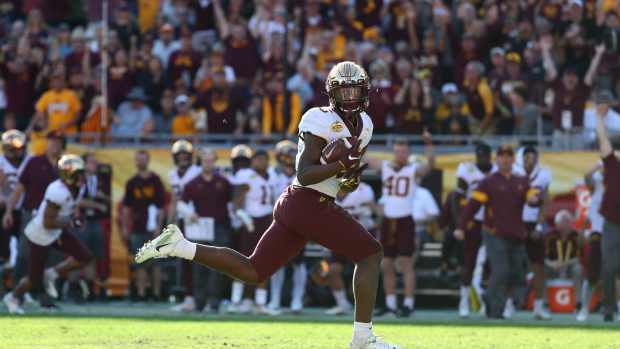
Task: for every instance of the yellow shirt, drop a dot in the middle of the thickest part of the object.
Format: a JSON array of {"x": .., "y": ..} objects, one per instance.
[
  {"x": 38, "y": 142},
  {"x": 61, "y": 107},
  {"x": 183, "y": 125},
  {"x": 147, "y": 14},
  {"x": 273, "y": 116}
]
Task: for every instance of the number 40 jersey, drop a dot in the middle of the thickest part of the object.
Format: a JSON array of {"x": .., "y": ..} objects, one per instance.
[{"x": 398, "y": 189}]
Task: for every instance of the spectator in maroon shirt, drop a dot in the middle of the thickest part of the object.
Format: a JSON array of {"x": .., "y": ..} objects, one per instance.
[
  {"x": 570, "y": 96},
  {"x": 610, "y": 209},
  {"x": 223, "y": 106},
  {"x": 381, "y": 96},
  {"x": 503, "y": 194},
  {"x": 120, "y": 78},
  {"x": 143, "y": 215},
  {"x": 184, "y": 62},
  {"x": 209, "y": 194},
  {"x": 19, "y": 74},
  {"x": 80, "y": 48}
]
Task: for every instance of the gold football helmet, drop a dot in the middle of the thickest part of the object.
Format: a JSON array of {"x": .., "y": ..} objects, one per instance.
[
  {"x": 13, "y": 139},
  {"x": 70, "y": 169},
  {"x": 179, "y": 148},
  {"x": 241, "y": 151},
  {"x": 286, "y": 152},
  {"x": 347, "y": 86}
]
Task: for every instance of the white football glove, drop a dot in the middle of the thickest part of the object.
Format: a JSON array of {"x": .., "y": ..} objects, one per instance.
[{"x": 246, "y": 219}]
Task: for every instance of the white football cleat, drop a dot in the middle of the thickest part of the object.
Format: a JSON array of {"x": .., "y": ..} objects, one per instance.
[
  {"x": 263, "y": 310},
  {"x": 339, "y": 310},
  {"x": 187, "y": 305},
  {"x": 162, "y": 246},
  {"x": 541, "y": 314},
  {"x": 373, "y": 342},
  {"x": 464, "y": 307},
  {"x": 509, "y": 309},
  {"x": 12, "y": 304},
  {"x": 245, "y": 307},
  {"x": 49, "y": 282},
  {"x": 583, "y": 314},
  {"x": 29, "y": 300}
]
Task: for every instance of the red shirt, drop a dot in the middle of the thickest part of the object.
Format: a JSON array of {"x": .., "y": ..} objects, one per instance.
[
  {"x": 38, "y": 173},
  {"x": 503, "y": 198},
  {"x": 210, "y": 198},
  {"x": 610, "y": 208},
  {"x": 140, "y": 193}
]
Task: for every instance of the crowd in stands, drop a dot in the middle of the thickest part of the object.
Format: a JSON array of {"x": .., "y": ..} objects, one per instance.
[{"x": 189, "y": 67}]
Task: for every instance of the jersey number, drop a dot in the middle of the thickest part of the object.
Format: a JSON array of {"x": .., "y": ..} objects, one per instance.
[
  {"x": 397, "y": 186},
  {"x": 263, "y": 199}
]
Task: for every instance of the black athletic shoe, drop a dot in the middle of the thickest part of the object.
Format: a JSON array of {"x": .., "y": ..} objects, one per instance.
[
  {"x": 404, "y": 312},
  {"x": 608, "y": 318},
  {"x": 385, "y": 311}
]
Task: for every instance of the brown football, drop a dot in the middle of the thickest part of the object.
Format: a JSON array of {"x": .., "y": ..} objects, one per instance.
[{"x": 336, "y": 149}]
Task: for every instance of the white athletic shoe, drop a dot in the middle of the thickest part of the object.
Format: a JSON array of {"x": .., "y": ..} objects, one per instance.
[
  {"x": 264, "y": 310},
  {"x": 245, "y": 307},
  {"x": 338, "y": 310},
  {"x": 509, "y": 309},
  {"x": 464, "y": 307},
  {"x": 187, "y": 305},
  {"x": 29, "y": 300},
  {"x": 49, "y": 282},
  {"x": 297, "y": 307},
  {"x": 583, "y": 314},
  {"x": 233, "y": 308},
  {"x": 12, "y": 304},
  {"x": 541, "y": 314},
  {"x": 373, "y": 343},
  {"x": 162, "y": 246}
]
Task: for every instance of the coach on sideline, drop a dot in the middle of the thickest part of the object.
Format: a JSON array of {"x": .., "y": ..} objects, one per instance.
[
  {"x": 503, "y": 194},
  {"x": 610, "y": 209}
]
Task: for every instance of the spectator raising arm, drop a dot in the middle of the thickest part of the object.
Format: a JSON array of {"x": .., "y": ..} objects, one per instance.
[
  {"x": 603, "y": 140},
  {"x": 596, "y": 61},
  {"x": 546, "y": 44},
  {"x": 220, "y": 20}
]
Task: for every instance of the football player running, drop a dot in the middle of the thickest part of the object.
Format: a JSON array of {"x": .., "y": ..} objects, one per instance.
[
  {"x": 284, "y": 174},
  {"x": 307, "y": 211},
  {"x": 398, "y": 178}
]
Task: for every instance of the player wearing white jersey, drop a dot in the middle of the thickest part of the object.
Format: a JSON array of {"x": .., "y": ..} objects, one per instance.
[
  {"x": 306, "y": 211},
  {"x": 399, "y": 179},
  {"x": 253, "y": 197},
  {"x": 12, "y": 160},
  {"x": 361, "y": 205},
  {"x": 49, "y": 229},
  {"x": 594, "y": 181},
  {"x": 284, "y": 174},
  {"x": 527, "y": 165},
  {"x": 469, "y": 174},
  {"x": 184, "y": 171}
]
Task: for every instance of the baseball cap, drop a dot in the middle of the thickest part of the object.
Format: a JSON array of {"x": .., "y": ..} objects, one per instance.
[
  {"x": 604, "y": 97},
  {"x": 513, "y": 57},
  {"x": 181, "y": 99},
  {"x": 449, "y": 87},
  {"x": 505, "y": 149},
  {"x": 530, "y": 149}
]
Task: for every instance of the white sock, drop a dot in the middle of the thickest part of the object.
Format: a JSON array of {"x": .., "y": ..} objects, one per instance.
[
  {"x": 237, "y": 292},
  {"x": 52, "y": 273},
  {"x": 465, "y": 292},
  {"x": 390, "y": 301},
  {"x": 409, "y": 302},
  {"x": 341, "y": 298},
  {"x": 260, "y": 296},
  {"x": 184, "y": 249},
  {"x": 300, "y": 275},
  {"x": 586, "y": 293},
  {"x": 277, "y": 281},
  {"x": 538, "y": 304},
  {"x": 361, "y": 331}
]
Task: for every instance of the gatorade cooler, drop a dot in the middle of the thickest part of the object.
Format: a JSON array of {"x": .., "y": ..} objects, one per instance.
[{"x": 561, "y": 296}]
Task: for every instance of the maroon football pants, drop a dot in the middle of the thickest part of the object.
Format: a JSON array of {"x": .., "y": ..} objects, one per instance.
[{"x": 301, "y": 215}]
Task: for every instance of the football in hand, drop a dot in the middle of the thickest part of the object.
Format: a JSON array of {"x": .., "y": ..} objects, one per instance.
[{"x": 337, "y": 149}]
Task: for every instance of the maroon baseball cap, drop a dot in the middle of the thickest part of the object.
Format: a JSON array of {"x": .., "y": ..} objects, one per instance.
[{"x": 505, "y": 149}]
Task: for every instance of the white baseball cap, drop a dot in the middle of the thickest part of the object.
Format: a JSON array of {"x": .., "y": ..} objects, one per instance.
[
  {"x": 181, "y": 99},
  {"x": 449, "y": 87}
]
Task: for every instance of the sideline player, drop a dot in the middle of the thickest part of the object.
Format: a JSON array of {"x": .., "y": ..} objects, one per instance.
[
  {"x": 284, "y": 175},
  {"x": 468, "y": 175},
  {"x": 360, "y": 204},
  {"x": 50, "y": 228},
  {"x": 185, "y": 170},
  {"x": 398, "y": 178},
  {"x": 527, "y": 165},
  {"x": 307, "y": 211}
]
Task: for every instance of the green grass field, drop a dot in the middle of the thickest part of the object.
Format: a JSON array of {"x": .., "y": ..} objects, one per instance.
[{"x": 111, "y": 327}]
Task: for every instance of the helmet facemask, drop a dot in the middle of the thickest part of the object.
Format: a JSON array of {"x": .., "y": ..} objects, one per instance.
[{"x": 349, "y": 99}]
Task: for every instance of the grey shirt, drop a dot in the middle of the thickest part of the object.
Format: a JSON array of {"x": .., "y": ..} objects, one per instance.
[
  {"x": 528, "y": 116},
  {"x": 131, "y": 120}
]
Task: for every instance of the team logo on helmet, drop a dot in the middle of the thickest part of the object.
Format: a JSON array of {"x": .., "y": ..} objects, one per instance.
[{"x": 70, "y": 168}]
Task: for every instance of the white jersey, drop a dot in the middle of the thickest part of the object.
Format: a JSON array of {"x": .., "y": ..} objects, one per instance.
[
  {"x": 177, "y": 183},
  {"x": 58, "y": 193},
  {"x": 425, "y": 207},
  {"x": 540, "y": 178},
  {"x": 398, "y": 188},
  {"x": 280, "y": 180},
  {"x": 260, "y": 197},
  {"x": 472, "y": 175},
  {"x": 12, "y": 176},
  {"x": 328, "y": 125},
  {"x": 358, "y": 203},
  {"x": 596, "y": 198}
]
